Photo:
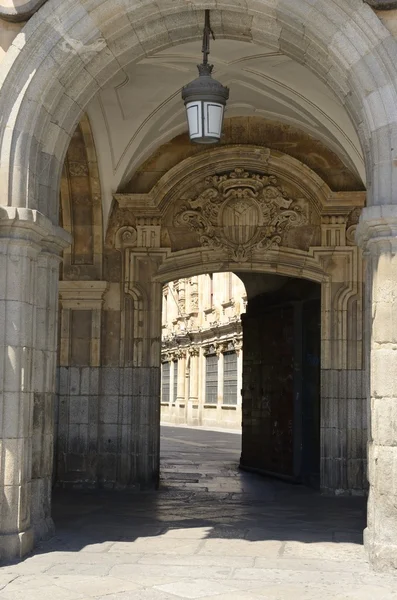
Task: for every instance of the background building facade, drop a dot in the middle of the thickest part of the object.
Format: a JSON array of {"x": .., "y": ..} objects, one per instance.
[{"x": 202, "y": 360}]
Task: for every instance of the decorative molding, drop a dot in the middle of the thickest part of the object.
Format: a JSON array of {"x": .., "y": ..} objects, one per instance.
[
  {"x": 148, "y": 232},
  {"x": 238, "y": 345},
  {"x": 125, "y": 237},
  {"x": 241, "y": 212},
  {"x": 189, "y": 172},
  {"x": 210, "y": 350},
  {"x": 194, "y": 351},
  {"x": 82, "y": 295},
  {"x": 377, "y": 228},
  {"x": 333, "y": 230}
]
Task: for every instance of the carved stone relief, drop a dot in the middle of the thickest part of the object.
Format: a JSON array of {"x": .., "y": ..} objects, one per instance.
[{"x": 241, "y": 212}]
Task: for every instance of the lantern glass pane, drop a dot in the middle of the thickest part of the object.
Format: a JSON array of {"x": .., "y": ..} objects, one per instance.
[
  {"x": 194, "y": 112},
  {"x": 213, "y": 119}
]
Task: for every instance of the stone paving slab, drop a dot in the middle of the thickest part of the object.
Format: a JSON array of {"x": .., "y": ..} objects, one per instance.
[{"x": 265, "y": 539}]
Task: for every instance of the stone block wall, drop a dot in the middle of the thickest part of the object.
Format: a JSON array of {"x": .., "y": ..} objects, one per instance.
[
  {"x": 101, "y": 414},
  {"x": 344, "y": 430}
]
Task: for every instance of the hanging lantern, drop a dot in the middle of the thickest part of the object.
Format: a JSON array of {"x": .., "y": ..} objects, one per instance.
[{"x": 205, "y": 98}]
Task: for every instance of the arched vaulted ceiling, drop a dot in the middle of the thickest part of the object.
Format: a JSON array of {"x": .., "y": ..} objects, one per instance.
[
  {"x": 137, "y": 113},
  {"x": 20, "y": 10}
]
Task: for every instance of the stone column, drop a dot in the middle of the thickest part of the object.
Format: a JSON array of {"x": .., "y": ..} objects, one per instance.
[
  {"x": 29, "y": 249},
  {"x": 377, "y": 234},
  {"x": 44, "y": 389}
]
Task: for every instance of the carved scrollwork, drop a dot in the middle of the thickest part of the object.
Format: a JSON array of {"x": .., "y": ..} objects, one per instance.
[
  {"x": 126, "y": 237},
  {"x": 241, "y": 212}
]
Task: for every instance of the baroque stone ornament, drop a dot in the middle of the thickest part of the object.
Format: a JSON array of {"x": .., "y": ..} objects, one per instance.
[{"x": 241, "y": 212}]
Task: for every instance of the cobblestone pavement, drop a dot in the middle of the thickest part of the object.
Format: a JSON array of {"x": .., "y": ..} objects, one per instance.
[{"x": 211, "y": 532}]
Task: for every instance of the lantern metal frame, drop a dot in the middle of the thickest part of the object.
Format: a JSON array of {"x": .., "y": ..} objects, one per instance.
[{"x": 205, "y": 98}]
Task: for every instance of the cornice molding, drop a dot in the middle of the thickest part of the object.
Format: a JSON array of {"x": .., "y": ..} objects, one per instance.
[
  {"x": 21, "y": 10},
  {"x": 82, "y": 295},
  {"x": 377, "y": 228}
]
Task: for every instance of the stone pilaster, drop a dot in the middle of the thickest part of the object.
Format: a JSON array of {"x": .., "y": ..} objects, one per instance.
[
  {"x": 181, "y": 377},
  {"x": 377, "y": 234},
  {"x": 193, "y": 398},
  {"x": 29, "y": 256},
  {"x": 343, "y": 404},
  {"x": 238, "y": 346},
  {"x": 139, "y": 458}
]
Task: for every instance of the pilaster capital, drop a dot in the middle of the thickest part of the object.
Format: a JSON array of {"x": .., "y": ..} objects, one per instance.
[
  {"x": 24, "y": 225},
  {"x": 377, "y": 229},
  {"x": 82, "y": 295}
]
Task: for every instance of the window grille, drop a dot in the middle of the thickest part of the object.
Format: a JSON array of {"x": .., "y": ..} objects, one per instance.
[
  {"x": 211, "y": 379},
  {"x": 175, "y": 380},
  {"x": 230, "y": 378},
  {"x": 165, "y": 382}
]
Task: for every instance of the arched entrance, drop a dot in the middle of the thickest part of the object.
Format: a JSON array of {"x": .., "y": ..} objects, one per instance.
[{"x": 62, "y": 58}]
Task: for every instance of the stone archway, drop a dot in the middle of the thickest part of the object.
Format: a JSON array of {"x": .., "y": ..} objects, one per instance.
[
  {"x": 248, "y": 209},
  {"x": 59, "y": 61}
]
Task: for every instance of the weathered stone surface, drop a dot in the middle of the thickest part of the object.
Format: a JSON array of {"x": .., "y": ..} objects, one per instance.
[
  {"x": 19, "y": 10},
  {"x": 68, "y": 56},
  {"x": 377, "y": 233},
  {"x": 29, "y": 256},
  {"x": 382, "y": 4}
]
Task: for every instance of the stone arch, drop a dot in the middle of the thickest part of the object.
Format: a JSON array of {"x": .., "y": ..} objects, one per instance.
[
  {"x": 317, "y": 248},
  {"x": 60, "y": 66},
  {"x": 81, "y": 206},
  {"x": 63, "y": 56}
]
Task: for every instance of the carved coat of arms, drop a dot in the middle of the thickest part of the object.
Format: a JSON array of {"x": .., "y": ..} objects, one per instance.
[{"x": 241, "y": 212}]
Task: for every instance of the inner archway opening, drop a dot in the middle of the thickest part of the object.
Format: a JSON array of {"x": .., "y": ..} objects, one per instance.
[{"x": 241, "y": 353}]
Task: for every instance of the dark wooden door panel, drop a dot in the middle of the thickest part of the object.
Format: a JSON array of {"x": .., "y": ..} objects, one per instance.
[{"x": 268, "y": 391}]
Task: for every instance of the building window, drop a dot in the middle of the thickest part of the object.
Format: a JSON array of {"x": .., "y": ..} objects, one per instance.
[
  {"x": 211, "y": 379},
  {"x": 175, "y": 380},
  {"x": 165, "y": 382},
  {"x": 230, "y": 378}
]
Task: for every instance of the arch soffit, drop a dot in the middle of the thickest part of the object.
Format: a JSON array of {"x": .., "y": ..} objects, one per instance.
[
  {"x": 68, "y": 51},
  {"x": 254, "y": 158},
  {"x": 24, "y": 9},
  {"x": 284, "y": 261}
]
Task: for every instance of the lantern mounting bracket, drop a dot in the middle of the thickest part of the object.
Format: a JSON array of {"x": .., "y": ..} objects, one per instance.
[{"x": 207, "y": 34}]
